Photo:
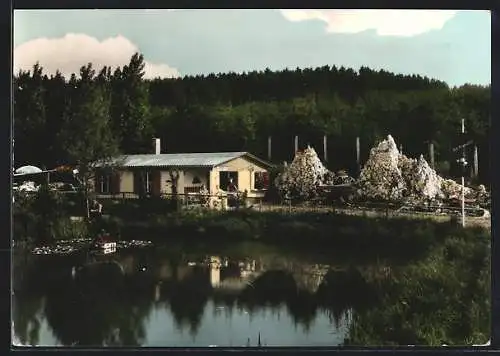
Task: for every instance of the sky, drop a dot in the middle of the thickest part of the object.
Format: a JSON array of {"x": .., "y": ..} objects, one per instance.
[{"x": 453, "y": 46}]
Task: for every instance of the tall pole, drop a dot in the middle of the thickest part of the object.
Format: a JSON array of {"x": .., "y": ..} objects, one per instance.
[
  {"x": 358, "y": 154},
  {"x": 476, "y": 163},
  {"x": 464, "y": 163},
  {"x": 269, "y": 148},
  {"x": 431, "y": 154},
  {"x": 296, "y": 143},
  {"x": 325, "y": 153}
]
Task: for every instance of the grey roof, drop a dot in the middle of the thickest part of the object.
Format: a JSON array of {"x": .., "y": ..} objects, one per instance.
[{"x": 208, "y": 159}]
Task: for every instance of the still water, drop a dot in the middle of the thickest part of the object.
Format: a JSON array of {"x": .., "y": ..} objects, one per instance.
[{"x": 245, "y": 295}]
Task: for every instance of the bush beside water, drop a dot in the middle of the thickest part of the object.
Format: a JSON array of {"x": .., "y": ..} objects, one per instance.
[
  {"x": 443, "y": 298},
  {"x": 44, "y": 217}
]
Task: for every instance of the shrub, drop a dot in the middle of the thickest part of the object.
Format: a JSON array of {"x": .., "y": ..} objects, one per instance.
[{"x": 230, "y": 227}]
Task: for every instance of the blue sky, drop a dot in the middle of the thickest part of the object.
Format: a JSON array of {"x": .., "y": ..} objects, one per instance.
[{"x": 453, "y": 46}]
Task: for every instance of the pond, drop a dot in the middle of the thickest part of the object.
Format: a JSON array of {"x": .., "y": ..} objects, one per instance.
[
  {"x": 197, "y": 294},
  {"x": 162, "y": 296}
]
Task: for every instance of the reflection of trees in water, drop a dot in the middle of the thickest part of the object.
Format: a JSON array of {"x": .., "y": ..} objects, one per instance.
[
  {"x": 112, "y": 315},
  {"x": 116, "y": 315},
  {"x": 188, "y": 298},
  {"x": 340, "y": 292},
  {"x": 275, "y": 288},
  {"x": 30, "y": 283},
  {"x": 303, "y": 308},
  {"x": 188, "y": 292},
  {"x": 227, "y": 301},
  {"x": 25, "y": 316}
]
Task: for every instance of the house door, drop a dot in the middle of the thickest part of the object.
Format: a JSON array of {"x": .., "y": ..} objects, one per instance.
[{"x": 225, "y": 178}]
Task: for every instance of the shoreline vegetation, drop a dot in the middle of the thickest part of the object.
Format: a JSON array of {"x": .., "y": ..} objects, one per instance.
[
  {"x": 46, "y": 216},
  {"x": 428, "y": 280}
]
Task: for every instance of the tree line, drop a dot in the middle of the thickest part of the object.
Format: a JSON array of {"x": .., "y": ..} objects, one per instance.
[{"x": 94, "y": 114}]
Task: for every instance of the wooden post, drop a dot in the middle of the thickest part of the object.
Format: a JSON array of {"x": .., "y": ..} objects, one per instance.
[
  {"x": 325, "y": 154},
  {"x": 358, "y": 154},
  {"x": 269, "y": 148},
  {"x": 431, "y": 154},
  {"x": 296, "y": 144},
  {"x": 476, "y": 162}
]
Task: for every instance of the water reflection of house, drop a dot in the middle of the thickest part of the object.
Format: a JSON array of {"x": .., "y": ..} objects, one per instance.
[
  {"x": 309, "y": 280},
  {"x": 233, "y": 276}
]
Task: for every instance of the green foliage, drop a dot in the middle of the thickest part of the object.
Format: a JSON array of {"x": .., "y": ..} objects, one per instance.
[
  {"x": 42, "y": 217},
  {"x": 442, "y": 298},
  {"x": 235, "y": 112},
  {"x": 86, "y": 131},
  {"x": 30, "y": 120},
  {"x": 137, "y": 209},
  {"x": 131, "y": 117}
]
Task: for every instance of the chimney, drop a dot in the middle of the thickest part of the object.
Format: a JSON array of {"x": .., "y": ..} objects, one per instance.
[{"x": 156, "y": 146}]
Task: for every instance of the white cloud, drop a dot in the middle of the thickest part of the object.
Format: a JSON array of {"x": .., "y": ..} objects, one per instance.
[
  {"x": 384, "y": 22},
  {"x": 69, "y": 53}
]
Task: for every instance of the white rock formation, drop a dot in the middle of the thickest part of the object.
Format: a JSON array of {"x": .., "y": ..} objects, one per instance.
[
  {"x": 387, "y": 175},
  {"x": 304, "y": 175},
  {"x": 390, "y": 175},
  {"x": 421, "y": 180},
  {"x": 381, "y": 178}
]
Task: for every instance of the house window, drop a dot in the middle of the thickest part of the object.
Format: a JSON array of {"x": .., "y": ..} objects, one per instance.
[
  {"x": 225, "y": 177},
  {"x": 148, "y": 182},
  {"x": 143, "y": 182},
  {"x": 104, "y": 184},
  {"x": 261, "y": 180}
]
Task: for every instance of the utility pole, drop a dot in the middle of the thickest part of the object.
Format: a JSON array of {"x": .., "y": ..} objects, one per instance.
[
  {"x": 476, "y": 163},
  {"x": 463, "y": 163},
  {"x": 358, "y": 155},
  {"x": 325, "y": 149},
  {"x": 431, "y": 154},
  {"x": 269, "y": 146}
]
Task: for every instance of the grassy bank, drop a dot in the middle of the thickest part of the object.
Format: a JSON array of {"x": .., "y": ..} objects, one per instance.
[
  {"x": 444, "y": 298},
  {"x": 396, "y": 238}
]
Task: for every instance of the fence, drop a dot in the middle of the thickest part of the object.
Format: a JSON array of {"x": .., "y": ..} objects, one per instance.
[
  {"x": 182, "y": 200},
  {"x": 228, "y": 201}
]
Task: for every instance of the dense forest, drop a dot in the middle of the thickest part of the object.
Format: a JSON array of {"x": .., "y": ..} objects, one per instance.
[{"x": 94, "y": 113}]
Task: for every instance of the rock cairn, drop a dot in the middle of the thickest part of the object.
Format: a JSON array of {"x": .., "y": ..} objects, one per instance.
[
  {"x": 387, "y": 175},
  {"x": 303, "y": 177},
  {"x": 390, "y": 175},
  {"x": 381, "y": 177}
]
